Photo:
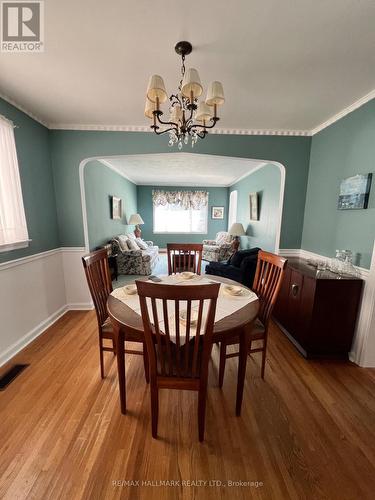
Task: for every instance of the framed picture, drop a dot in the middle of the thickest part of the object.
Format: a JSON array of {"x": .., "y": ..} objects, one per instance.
[
  {"x": 116, "y": 208},
  {"x": 217, "y": 213},
  {"x": 354, "y": 192},
  {"x": 253, "y": 197}
]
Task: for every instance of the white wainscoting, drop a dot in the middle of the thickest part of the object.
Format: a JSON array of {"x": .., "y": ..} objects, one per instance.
[
  {"x": 363, "y": 348},
  {"x": 35, "y": 291}
]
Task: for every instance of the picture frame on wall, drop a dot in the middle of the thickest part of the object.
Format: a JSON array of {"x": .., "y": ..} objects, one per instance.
[
  {"x": 354, "y": 192},
  {"x": 217, "y": 213},
  {"x": 253, "y": 198},
  {"x": 116, "y": 208}
]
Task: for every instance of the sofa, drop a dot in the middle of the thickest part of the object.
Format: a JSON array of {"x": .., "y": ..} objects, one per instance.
[
  {"x": 134, "y": 255},
  {"x": 218, "y": 249},
  {"x": 240, "y": 267}
]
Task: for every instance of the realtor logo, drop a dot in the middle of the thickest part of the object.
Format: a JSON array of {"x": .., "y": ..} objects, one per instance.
[{"x": 22, "y": 26}]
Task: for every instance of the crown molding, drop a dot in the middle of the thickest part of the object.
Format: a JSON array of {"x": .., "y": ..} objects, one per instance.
[
  {"x": 221, "y": 131},
  {"x": 145, "y": 128},
  {"x": 24, "y": 110},
  {"x": 352, "y": 107}
]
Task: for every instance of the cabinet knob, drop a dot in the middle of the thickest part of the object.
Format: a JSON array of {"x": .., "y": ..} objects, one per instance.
[{"x": 295, "y": 289}]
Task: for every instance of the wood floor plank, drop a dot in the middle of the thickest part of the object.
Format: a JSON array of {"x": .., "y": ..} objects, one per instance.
[{"x": 306, "y": 432}]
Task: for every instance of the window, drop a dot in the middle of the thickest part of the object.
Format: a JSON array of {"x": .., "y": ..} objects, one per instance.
[
  {"x": 232, "y": 213},
  {"x": 180, "y": 211},
  {"x": 13, "y": 229}
]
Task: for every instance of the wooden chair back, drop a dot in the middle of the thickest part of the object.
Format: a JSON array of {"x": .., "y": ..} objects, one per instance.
[
  {"x": 99, "y": 280},
  {"x": 161, "y": 306},
  {"x": 184, "y": 257},
  {"x": 267, "y": 281}
]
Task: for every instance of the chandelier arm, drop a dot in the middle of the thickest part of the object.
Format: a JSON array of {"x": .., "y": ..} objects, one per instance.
[
  {"x": 214, "y": 121},
  {"x": 155, "y": 128},
  {"x": 175, "y": 125}
]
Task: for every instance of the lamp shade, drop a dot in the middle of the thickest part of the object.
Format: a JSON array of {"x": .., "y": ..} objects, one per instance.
[
  {"x": 176, "y": 114},
  {"x": 215, "y": 94},
  {"x": 156, "y": 88},
  {"x": 149, "y": 108},
  {"x": 135, "y": 219},
  {"x": 191, "y": 83},
  {"x": 203, "y": 113},
  {"x": 237, "y": 229}
]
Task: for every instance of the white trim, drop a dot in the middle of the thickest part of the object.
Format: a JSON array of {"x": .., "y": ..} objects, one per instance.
[
  {"x": 222, "y": 131},
  {"x": 31, "y": 335},
  {"x": 29, "y": 258},
  {"x": 24, "y": 110},
  {"x": 147, "y": 128},
  {"x": 39, "y": 329},
  {"x": 363, "y": 348},
  {"x": 14, "y": 246},
  {"x": 352, "y": 107}
]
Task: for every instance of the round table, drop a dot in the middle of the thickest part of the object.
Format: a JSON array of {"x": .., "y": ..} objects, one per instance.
[{"x": 127, "y": 325}]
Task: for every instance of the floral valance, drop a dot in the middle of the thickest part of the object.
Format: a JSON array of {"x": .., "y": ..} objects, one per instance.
[{"x": 184, "y": 199}]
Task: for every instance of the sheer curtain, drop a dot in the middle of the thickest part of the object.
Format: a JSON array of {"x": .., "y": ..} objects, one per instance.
[{"x": 13, "y": 229}]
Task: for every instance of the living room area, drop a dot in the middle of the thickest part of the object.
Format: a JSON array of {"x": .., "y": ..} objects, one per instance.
[
  {"x": 135, "y": 205},
  {"x": 187, "y": 253}
]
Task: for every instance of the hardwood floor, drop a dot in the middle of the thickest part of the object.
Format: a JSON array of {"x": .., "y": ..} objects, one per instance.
[{"x": 306, "y": 432}]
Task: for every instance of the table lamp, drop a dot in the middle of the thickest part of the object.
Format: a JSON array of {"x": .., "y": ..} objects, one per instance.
[
  {"x": 236, "y": 230},
  {"x": 137, "y": 220}
]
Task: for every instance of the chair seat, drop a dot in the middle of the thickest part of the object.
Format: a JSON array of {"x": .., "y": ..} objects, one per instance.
[
  {"x": 257, "y": 332},
  {"x": 107, "y": 329}
]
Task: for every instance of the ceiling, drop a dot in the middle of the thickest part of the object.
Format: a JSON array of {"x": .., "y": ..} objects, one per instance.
[
  {"x": 159, "y": 169},
  {"x": 285, "y": 66}
]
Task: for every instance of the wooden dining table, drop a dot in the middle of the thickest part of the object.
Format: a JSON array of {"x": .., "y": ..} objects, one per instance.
[{"x": 127, "y": 325}]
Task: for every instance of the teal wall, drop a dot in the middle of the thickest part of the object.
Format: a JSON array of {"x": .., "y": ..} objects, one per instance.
[
  {"x": 69, "y": 148},
  {"x": 267, "y": 183},
  {"x": 32, "y": 143},
  {"x": 101, "y": 183},
  {"x": 344, "y": 149},
  {"x": 218, "y": 196}
]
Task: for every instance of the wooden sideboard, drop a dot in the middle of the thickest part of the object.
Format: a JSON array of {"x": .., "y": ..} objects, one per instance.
[{"x": 317, "y": 310}]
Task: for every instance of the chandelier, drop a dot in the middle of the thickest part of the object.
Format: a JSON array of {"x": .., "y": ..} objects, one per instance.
[{"x": 188, "y": 118}]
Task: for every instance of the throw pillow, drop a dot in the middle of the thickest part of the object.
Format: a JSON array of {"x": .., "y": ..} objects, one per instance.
[
  {"x": 142, "y": 245},
  {"x": 131, "y": 236},
  {"x": 123, "y": 242},
  {"x": 132, "y": 244}
]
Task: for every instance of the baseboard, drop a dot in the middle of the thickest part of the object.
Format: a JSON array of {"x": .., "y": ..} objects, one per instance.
[
  {"x": 80, "y": 306},
  {"x": 31, "y": 335}
]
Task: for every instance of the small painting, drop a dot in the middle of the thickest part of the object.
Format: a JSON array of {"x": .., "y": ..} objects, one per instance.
[
  {"x": 217, "y": 213},
  {"x": 354, "y": 192},
  {"x": 116, "y": 208},
  {"x": 253, "y": 206}
]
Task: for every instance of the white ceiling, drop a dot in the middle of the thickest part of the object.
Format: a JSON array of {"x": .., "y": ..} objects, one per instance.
[
  {"x": 285, "y": 65},
  {"x": 185, "y": 169}
]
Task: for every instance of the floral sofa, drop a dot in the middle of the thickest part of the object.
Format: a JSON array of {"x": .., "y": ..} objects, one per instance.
[
  {"x": 218, "y": 249},
  {"x": 139, "y": 257}
]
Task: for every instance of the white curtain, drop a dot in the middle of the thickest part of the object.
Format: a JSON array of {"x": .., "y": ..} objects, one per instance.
[{"x": 13, "y": 227}]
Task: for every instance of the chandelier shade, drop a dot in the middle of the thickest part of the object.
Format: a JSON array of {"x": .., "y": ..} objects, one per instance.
[
  {"x": 149, "y": 108},
  {"x": 191, "y": 83},
  {"x": 187, "y": 119},
  {"x": 156, "y": 89},
  {"x": 203, "y": 113},
  {"x": 215, "y": 94}
]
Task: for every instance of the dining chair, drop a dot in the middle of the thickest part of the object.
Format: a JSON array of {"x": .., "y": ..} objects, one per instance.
[
  {"x": 184, "y": 257},
  {"x": 267, "y": 281},
  {"x": 100, "y": 284},
  {"x": 182, "y": 364}
]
